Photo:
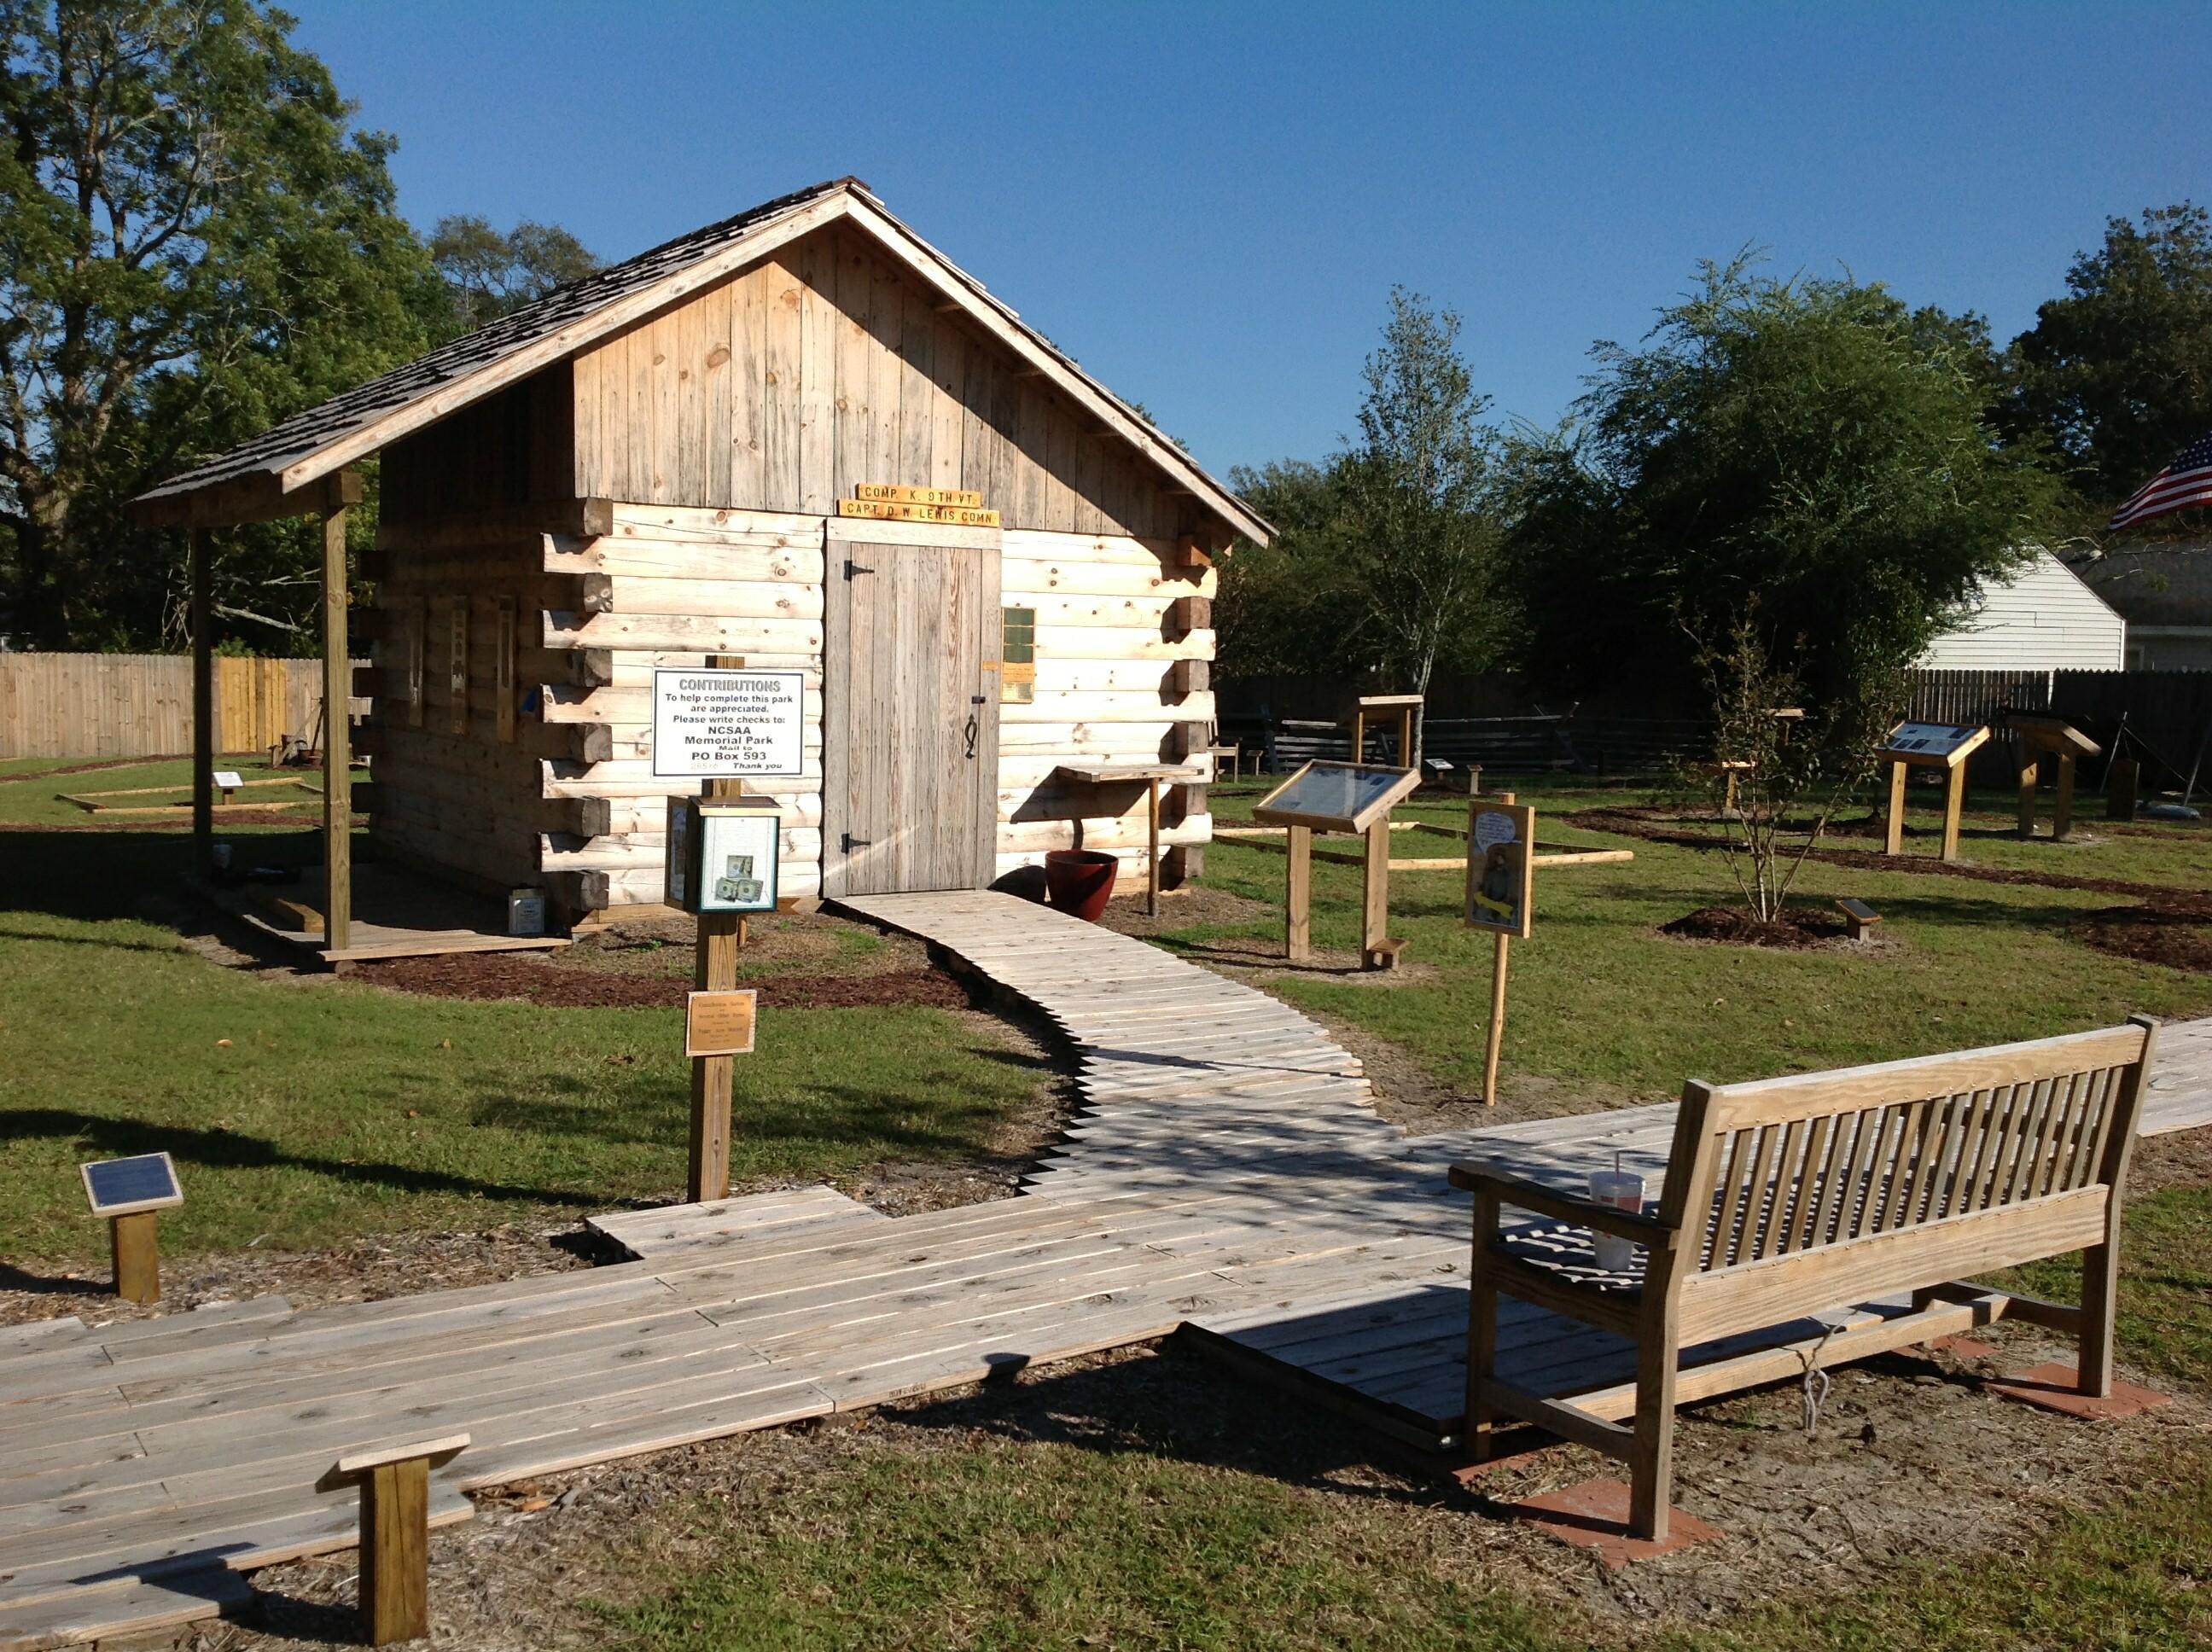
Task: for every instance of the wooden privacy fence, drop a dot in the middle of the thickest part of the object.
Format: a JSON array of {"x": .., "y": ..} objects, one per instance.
[
  {"x": 1284, "y": 720},
  {"x": 141, "y": 705},
  {"x": 2167, "y": 716}
]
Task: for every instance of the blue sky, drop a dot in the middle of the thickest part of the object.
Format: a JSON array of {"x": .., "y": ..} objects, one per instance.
[{"x": 1207, "y": 204}]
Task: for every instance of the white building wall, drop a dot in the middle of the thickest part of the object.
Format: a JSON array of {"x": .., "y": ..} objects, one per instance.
[{"x": 2043, "y": 618}]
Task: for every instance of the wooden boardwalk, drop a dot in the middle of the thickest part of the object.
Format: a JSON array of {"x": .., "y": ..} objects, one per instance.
[{"x": 1226, "y": 1175}]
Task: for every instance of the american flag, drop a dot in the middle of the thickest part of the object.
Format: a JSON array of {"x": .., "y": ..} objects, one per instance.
[{"x": 2186, "y": 482}]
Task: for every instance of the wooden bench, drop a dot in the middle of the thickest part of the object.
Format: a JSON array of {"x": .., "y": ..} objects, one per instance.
[
  {"x": 1795, "y": 1196},
  {"x": 1859, "y": 918}
]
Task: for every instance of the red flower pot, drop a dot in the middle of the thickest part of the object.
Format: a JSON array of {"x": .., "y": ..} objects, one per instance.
[{"x": 1080, "y": 881}]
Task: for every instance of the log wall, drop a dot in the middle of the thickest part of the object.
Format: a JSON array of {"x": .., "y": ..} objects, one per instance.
[
  {"x": 455, "y": 782},
  {"x": 671, "y": 584}
]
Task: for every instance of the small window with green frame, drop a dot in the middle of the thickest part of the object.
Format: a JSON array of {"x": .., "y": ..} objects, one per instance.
[{"x": 1018, "y": 657}]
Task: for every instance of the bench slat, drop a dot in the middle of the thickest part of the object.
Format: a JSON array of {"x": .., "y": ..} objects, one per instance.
[{"x": 1755, "y": 1294}]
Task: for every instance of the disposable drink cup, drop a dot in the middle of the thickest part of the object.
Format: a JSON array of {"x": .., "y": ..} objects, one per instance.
[{"x": 1623, "y": 1190}]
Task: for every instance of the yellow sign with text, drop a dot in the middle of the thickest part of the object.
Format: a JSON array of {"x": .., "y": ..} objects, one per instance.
[
  {"x": 719, "y": 1023},
  {"x": 885, "y": 493},
  {"x": 883, "y": 511}
]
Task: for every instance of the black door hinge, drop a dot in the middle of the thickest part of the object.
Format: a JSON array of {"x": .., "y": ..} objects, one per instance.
[
  {"x": 852, "y": 567},
  {"x": 852, "y": 843}
]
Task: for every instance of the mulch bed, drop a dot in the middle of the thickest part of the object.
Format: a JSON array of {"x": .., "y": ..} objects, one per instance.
[
  {"x": 511, "y": 976},
  {"x": 1792, "y": 931},
  {"x": 2177, "y": 935}
]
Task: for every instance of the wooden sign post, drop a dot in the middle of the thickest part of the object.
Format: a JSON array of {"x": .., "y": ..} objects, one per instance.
[
  {"x": 721, "y": 935},
  {"x": 721, "y": 856},
  {"x": 128, "y": 1191},
  {"x": 1376, "y": 708},
  {"x": 1333, "y": 797},
  {"x": 2037, "y": 734},
  {"x": 1501, "y": 887},
  {"x": 722, "y": 851},
  {"x": 1944, "y": 746}
]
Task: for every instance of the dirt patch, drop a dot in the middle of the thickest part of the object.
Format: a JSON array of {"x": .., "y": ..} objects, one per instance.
[
  {"x": 2180, "y": 1158},
  {"x": 1408, "y": 1095},
  {"x": 1794, "y": 931},
  {"x": 1188, "y": 908}
]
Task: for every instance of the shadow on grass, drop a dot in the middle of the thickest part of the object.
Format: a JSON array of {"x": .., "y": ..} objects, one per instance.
[
  {"x": 111, "y": 876},
  {"x": 651, "y": 1114},
  {"x": 13, "y": 1278},
  {"x": 228, "y": 1149},
  {"x": 1183, "y": 1406}
]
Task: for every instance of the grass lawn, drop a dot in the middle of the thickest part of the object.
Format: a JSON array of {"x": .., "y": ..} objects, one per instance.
[
  {"x": 1049, "y": 1545},
  {"x": 1598, "y": 994},
  {"x": 29, "y": 788},
  {"x": 309, "y": 1111}
]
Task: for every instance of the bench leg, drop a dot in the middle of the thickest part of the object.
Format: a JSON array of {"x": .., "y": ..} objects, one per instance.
[
  {"x": 1482, "y": 1332},
  {"x": 2100, "y": 1280},
  {"x": 1652, "y": 1461}
]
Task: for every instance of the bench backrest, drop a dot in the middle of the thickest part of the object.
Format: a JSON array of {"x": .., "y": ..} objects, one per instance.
[{"x": 2012, "y": 1149}]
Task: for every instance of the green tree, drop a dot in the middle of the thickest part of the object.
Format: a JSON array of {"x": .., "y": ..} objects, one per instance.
[
  {"x": 196, "y": 245},
  {"x": 1419, "y": 532},
  {"x": 1282, "y": 609},
  {"x": 492, "y": 273},
  {"x": 2119, "y": 372},
  {"x": 1808, "y": 452}
]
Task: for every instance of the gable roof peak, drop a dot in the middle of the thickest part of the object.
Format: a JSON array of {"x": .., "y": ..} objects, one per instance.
[{"x": 263, "y": 478}]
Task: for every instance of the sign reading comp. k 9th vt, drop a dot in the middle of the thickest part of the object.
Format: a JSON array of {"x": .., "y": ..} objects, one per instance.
[{"x": 711, "y": 722}]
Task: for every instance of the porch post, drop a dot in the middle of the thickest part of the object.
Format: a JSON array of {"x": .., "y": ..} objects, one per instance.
[
  {"x": 337, "y": 753},
  {"x": 203, "y": 704}
]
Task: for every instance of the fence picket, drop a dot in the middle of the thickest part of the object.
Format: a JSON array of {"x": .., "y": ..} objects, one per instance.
[{"x": 63, "y": 706}]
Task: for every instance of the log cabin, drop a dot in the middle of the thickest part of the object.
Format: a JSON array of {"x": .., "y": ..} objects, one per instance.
[{"x": 684, "y": 459}]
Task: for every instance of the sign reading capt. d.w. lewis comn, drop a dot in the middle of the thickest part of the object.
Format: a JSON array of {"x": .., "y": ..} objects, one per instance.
[{"x": 710, "y": 722}]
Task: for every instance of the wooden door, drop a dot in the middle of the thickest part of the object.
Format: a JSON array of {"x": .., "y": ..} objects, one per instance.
[{"x": 909, "y": 711}]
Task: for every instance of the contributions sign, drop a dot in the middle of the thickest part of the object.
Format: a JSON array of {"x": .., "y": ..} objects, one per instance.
[{"x": 710, "y": 723}]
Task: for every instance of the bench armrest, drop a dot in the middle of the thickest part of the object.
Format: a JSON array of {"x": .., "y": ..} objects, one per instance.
[{"x": 1524, "y": 1194}]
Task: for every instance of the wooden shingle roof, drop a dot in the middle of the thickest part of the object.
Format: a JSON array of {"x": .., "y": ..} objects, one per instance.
[{"x": 279, "y": 473}]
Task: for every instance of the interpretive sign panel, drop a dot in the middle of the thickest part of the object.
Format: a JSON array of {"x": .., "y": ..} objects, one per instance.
[
  {"x": 711, "y": 724},
  {"x": 1333, "y": 797},
  {"x": 120, "y": 1187},
  {"x": 1501, "y": 868},
  {"x": 720, "y": 1024},
  {"x": 1932, "y": 743}
]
